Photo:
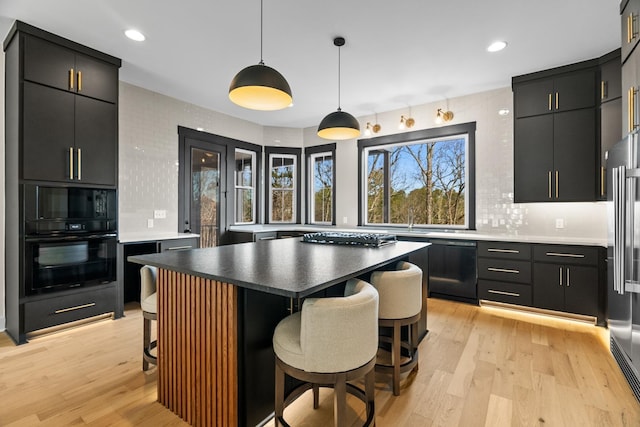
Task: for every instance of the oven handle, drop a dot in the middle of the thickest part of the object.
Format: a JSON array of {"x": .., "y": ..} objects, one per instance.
[{"x": 70, "y": 238}]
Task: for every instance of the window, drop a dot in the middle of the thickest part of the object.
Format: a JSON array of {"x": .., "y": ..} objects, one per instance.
[
  {"x": 423, "y": 178},
  {"x": 321, "y": 184},
  {"x": 245, "y": 186},
  {"x": 283, "y": 184}
]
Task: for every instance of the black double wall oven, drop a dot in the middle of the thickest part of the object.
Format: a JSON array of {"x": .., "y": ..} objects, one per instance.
[{"x": 70, "y": 237}]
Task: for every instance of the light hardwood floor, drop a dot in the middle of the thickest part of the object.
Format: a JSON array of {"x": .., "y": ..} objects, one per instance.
[{"x": 478, "y": 367}]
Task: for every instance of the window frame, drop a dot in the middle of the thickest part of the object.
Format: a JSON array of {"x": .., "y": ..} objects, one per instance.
[
  {"x": 404, "y": 138},
  {"x": 253, "y": 186},
  {"x": 311, "y": 153},
  {"x": 285, "y": 152}
]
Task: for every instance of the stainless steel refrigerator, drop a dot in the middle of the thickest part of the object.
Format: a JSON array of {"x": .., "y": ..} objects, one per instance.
[{"x": 623, "y": 257}]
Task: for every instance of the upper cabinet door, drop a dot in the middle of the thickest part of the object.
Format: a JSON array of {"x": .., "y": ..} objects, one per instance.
[
  {"x": 610, "y": 80},
  {"x": 49, "y": 64},
  {"x": 96, "y": 78},
  {"x": 56, "y": 66},
  {"x": 629, "y": 27},
  {"x": 533, "y": 98},
  {"x": 575, "y": 90}
]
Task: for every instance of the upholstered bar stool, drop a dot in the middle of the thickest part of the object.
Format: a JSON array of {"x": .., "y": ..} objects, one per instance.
[
  {"x": 149, "y": 304},
  {"x": 330, "y": 342},
  {"x": 400, "y": 293}
]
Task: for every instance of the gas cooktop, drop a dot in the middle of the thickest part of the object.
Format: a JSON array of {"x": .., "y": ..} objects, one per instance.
[{"x": 344, "y": 238}]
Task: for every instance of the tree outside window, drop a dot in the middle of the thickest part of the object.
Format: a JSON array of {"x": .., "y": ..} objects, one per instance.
[
  {"x": 424, "y": 182},
  {"x": 321, "y": 179},
  {"x": 282, "y": 187},
  {"x": 245, "y": 186}
]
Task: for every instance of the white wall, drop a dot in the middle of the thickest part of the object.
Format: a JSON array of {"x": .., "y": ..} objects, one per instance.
[{"x": 495, "y": 211}]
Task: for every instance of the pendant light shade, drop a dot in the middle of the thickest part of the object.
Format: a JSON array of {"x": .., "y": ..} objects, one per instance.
[
  {"x": 339, "y": 125},
  {"x": 259, "y": 87}
]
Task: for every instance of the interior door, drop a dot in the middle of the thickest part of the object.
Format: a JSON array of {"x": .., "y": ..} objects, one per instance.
[{"x": 204, "y": 189}]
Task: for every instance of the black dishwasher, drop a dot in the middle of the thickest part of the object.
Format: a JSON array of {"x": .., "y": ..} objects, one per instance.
[{"x": 453, "y": 270}]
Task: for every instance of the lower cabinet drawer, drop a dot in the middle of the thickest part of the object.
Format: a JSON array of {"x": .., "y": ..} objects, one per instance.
[
  {"x": 504, "y": 270},
  {"x": 68, "y": 308},
  {"x": 179, "y": 244},
  {"x": 512, "y": 293}
]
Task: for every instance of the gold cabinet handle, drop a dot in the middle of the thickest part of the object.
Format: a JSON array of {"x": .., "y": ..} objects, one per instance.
[
  {"x": 557, "y": 183},
  {"x": 603, "y": 89},
  {"x": 549, "y": 184},
  {"x": 603, "y": 170},
  {"x": 71, "y": 79},
  {"x": 79, "y": 164},
  {"x": 560, "y": 276},
  {"x": 631, "y": 33},
  {"x": 70, "y": 162},
  {"x": 632, "y": 108},
  {"x": 79, "y": 81},
  {"x": 549, "y": 102},
  {"x": 557, "y": 100},
  {"x": 77, "y": 307}
]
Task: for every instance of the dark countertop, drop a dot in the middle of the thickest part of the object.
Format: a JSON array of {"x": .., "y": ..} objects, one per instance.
[{"x": 286, "y": 267}]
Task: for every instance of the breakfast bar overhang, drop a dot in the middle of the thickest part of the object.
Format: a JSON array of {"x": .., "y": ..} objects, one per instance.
[{"x": 218, "y": 307}]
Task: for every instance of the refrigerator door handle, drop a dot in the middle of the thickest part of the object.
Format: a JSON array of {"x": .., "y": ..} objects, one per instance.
[{"x": 619, "y": 194}]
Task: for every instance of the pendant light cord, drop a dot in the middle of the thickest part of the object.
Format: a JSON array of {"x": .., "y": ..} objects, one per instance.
[
  {"x": 261, "y": 19},
  {"x": 339, "y": 78}
]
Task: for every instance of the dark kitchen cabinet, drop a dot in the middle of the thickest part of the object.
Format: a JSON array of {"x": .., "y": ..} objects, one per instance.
[
  {"x": 610, "y": 113},
  {"x": 61, "y": 129},
  {"x": 504, "y": 272},
  {"x": 68, "y": 109},
  {"x": 62, "y": 68},
  {"x": 554, "y": 157},
  {"x": 555, "y": 134},
  {"x": 554, "y": 94},
  {"x": 68, "y": 138},
  {"x": 629, "y": 27},
  {"x": 568, "y": 279}
]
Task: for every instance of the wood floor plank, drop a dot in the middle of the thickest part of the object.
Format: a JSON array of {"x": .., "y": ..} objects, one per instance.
[{"x": 501, "y": 368}]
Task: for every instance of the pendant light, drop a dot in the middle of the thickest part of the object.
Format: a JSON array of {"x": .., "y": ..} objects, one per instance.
[
  {"x": 339, "y": 125},
  {"x": 259, "y": 87}
]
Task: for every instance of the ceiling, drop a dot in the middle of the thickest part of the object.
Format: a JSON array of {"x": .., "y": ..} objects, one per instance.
[{"x": 397, "y": 54}]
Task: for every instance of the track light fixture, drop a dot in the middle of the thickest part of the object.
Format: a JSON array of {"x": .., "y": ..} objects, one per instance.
[
  {"x": 443, "y": 116},
  {"x": 259, "y": 87},
  {"x": 339, "y": 125}
]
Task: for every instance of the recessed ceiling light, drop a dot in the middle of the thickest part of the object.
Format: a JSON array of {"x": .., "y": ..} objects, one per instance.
[
  {"x": 497, "y": 46},
  {"x": 135, "y": 35}
]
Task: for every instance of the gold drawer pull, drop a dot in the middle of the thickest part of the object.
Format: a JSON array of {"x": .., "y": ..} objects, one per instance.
[
  {"x": 77, "y": 307},
  {"x": 71, "y": 79},
  {"x": 503, "y": 270},
  {"x": 504, "y": 251},
  {"x": 565, "y": 255},
  {"x": 510, "y": 294}
]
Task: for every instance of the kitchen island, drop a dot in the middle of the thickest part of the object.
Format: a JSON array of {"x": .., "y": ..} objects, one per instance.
[{"x": 218, "y": 307}]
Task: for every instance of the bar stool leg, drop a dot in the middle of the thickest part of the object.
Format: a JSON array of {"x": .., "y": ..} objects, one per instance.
[
  {"x": 340, "y": 401},
  {"x": 279, "y": 403},
  {"x": 146, "y": 341},
  {"x": 316, "y": 396},
  {"x": 395, "y": 357}
]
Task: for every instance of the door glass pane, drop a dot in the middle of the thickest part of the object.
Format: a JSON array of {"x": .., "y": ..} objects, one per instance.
[
  {"x": 245, "y": 187},
  {"x": 205, "y": 195}
]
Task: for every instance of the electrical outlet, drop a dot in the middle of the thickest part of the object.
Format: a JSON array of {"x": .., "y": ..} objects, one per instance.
[
  {"x": 149, "y": 223},
  {"x": 160, "y": 214},
  {"x": 559, "y": 223},
  {"x": 345, "y": 220}
]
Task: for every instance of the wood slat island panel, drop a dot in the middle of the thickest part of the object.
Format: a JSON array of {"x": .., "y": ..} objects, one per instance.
[{"x": 197, "y": 348}]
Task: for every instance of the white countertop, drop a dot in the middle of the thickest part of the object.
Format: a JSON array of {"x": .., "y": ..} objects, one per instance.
[
  {"x": 428, "y": 234},
  {"x": 151, "y": 237}
]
